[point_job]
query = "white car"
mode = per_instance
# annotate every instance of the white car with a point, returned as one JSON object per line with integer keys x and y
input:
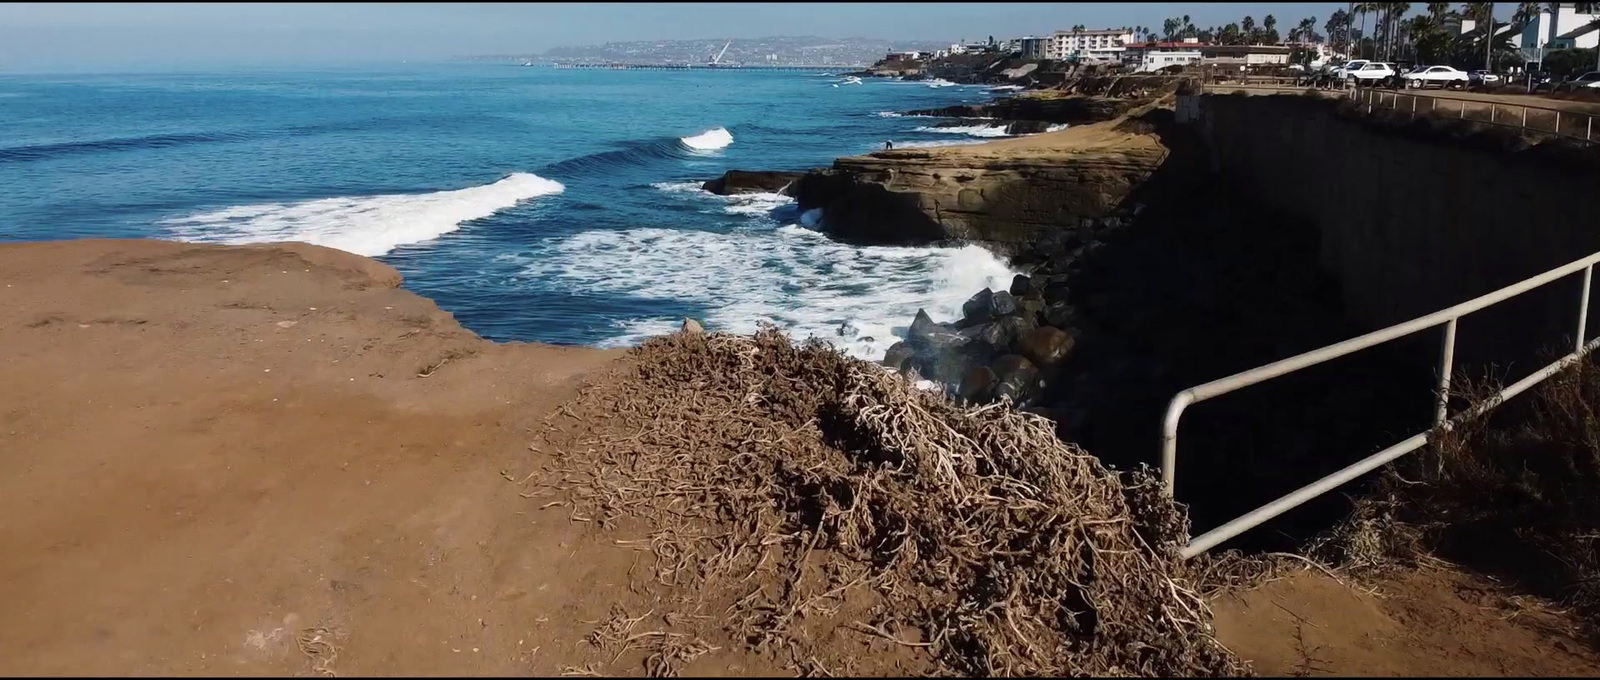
{"x": 1344, "y": 69}
{"x": 1436, "y": 76}
{"x": 1371, "y": 73}
{"x": 1589, "y": 80}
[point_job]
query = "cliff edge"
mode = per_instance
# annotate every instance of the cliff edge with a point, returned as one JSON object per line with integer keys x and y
{"x": 1006, "y": 193}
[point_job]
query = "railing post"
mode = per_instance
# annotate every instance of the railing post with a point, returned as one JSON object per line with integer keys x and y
{"x": 1492, "y": 110}
{"x": 1583, "y": 306}
{"x": 1447, "y": 361}
{"x": 1558, "y": 123}
{"x": 1524, "y": 117}
{"x": 1463, "y": 109}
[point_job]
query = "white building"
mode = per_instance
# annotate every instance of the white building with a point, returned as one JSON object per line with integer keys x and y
{"x": 1157, "y": 56}
{"x": 1107, "y": 43}
{"x": 1567, "y": 25}
{"x": 1034, "y": 48}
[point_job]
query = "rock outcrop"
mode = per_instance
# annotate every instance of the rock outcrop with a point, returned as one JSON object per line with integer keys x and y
{"x": 750, "y": 182}
{"x": 1005, "y": 194}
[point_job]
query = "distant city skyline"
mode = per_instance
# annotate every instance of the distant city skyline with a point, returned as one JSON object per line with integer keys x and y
{"x": 44, "y": 36}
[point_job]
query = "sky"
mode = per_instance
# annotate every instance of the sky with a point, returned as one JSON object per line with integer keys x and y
{"x": 45, "y": 36}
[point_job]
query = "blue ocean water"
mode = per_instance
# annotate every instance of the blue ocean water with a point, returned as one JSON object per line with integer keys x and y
{"x": 535, "y": 204}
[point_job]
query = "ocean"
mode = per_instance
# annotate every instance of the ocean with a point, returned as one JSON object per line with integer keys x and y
{"x": 534, "y": 204}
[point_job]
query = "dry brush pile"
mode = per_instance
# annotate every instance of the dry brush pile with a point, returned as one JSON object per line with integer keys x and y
{"x": 800, "y": 484}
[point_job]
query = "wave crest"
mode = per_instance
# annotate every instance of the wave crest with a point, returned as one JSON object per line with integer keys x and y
{"x": 710, "y": 140}
{"x": 364, "y": 225}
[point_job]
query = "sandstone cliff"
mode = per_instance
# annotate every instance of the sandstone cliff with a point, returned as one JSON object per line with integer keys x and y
{"x": 1006, "y": 193}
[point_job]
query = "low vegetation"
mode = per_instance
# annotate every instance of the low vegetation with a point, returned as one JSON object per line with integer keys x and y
{"x": 1515, "y": 495}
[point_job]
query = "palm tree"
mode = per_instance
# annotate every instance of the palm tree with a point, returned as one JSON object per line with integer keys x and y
{"x": 1269, "y": 24}
{"x": 1397, "y": 10}
{"x": 1247, "y": 29}
{"x": 1363, "y": 8}
{"x": 1338, "y": 25}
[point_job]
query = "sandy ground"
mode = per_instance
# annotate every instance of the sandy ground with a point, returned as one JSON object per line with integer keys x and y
{"x": 206, "y": 451}
{"x": 222, "y": 460}
{"x": 1430, "y": 622}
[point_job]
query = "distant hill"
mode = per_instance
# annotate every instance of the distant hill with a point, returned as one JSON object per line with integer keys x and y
{"x": 777, "y": 50}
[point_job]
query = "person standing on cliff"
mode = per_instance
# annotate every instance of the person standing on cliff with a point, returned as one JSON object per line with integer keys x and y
{"x": 888, "y": 145}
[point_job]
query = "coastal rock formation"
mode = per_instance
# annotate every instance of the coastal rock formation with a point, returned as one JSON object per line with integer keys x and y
{"x": 1075, "y": 109}
{"x": 750, "y": 182}
{"x": 1007, "y": 194}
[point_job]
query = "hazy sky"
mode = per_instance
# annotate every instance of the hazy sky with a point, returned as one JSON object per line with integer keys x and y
{"x": 45, "y": 36}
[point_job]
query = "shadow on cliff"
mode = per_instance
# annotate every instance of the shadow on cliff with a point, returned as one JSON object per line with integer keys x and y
{"x": 1204, "y": 283}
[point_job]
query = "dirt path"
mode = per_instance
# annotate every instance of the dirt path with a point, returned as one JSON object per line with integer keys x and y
{"x": 205, "y": 452}
{"x": 1434, "y": 622}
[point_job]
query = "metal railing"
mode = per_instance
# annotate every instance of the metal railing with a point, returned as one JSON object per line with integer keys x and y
{"x": 1580, "y": 126}
{"x": 1441, "y": 422}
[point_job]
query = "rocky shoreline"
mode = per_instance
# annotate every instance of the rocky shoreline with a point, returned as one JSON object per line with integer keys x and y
{"x": 1046, "y": 205}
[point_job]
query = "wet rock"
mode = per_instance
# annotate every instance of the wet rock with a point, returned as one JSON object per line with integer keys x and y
{"x": 1060, "y": 314}
{"x": 847, "y": 330}
{"x": 692, "y": 327}
{"x": 898, "y": 355}
{"x": 993, "y": 334}
{"x": 977, "y": 306}
{"x": 1047, "y": 346}
{"x": 977, "y": 384}
{"x": 748, "y": 182}
{"x": 1013, "y": 329}
{"x": 1002, "y": 304}
{"x": 1021, "y": 286}
{"x": 922, "y": 324}
{"x": 1016, "y": 378}
{"x": 1030, "y": 308}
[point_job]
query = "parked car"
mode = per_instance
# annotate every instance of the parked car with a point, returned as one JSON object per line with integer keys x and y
{"x": 1372, "y": 73}
{"x": 1589, "y": 80}
{"x": 1481, "y": 77}
{"x": 1343, "y": 71}
{"x": 1436, "y": 76}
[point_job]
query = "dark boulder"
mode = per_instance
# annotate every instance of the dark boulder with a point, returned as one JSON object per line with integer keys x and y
{"x": 1060, "y": 314}
{"x": 899, "y": 353}
{"x": 977, "y": 384}
{"x": 751, "y": 182}
{"x": 931, "y": 339}
{"x": 1014, "y": 328}
{"x": 1030, "y": 308}
{"x": 1047, "y": 346}
{"x": 1022, "y": 286}
{"x": 1002, "y": 304}
{"x": 1016, "y": 378}
{"x": 977, "y": 306}
{"x": 922, "y": 324}
{"x": 993, "y": 334}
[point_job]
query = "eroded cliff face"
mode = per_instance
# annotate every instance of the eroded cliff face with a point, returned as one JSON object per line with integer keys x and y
{"x": 1005, "y": 194}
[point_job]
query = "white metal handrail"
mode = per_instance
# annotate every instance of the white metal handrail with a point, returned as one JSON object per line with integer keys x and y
{"x": 1441, "y": 421}
{"x": 1375, "y": 98}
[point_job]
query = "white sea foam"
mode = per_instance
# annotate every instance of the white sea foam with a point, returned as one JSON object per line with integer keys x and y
{"x": 973, "y": 130}
{"x": 756, "y": 203}
{"x": 364, "y": 225}
{"x": 939, "y": 82}
{"x": 1057, "y": 127}
{"x": 890, "y": 114}
{"x": 680, "y": 187}
{"x": 793, "y": 277}
{"x": 710, "y": 140}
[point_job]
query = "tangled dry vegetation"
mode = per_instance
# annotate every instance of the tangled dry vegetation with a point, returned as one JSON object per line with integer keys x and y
{"x": 802, "y": 486}
{"x": 1515, "y": 495}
